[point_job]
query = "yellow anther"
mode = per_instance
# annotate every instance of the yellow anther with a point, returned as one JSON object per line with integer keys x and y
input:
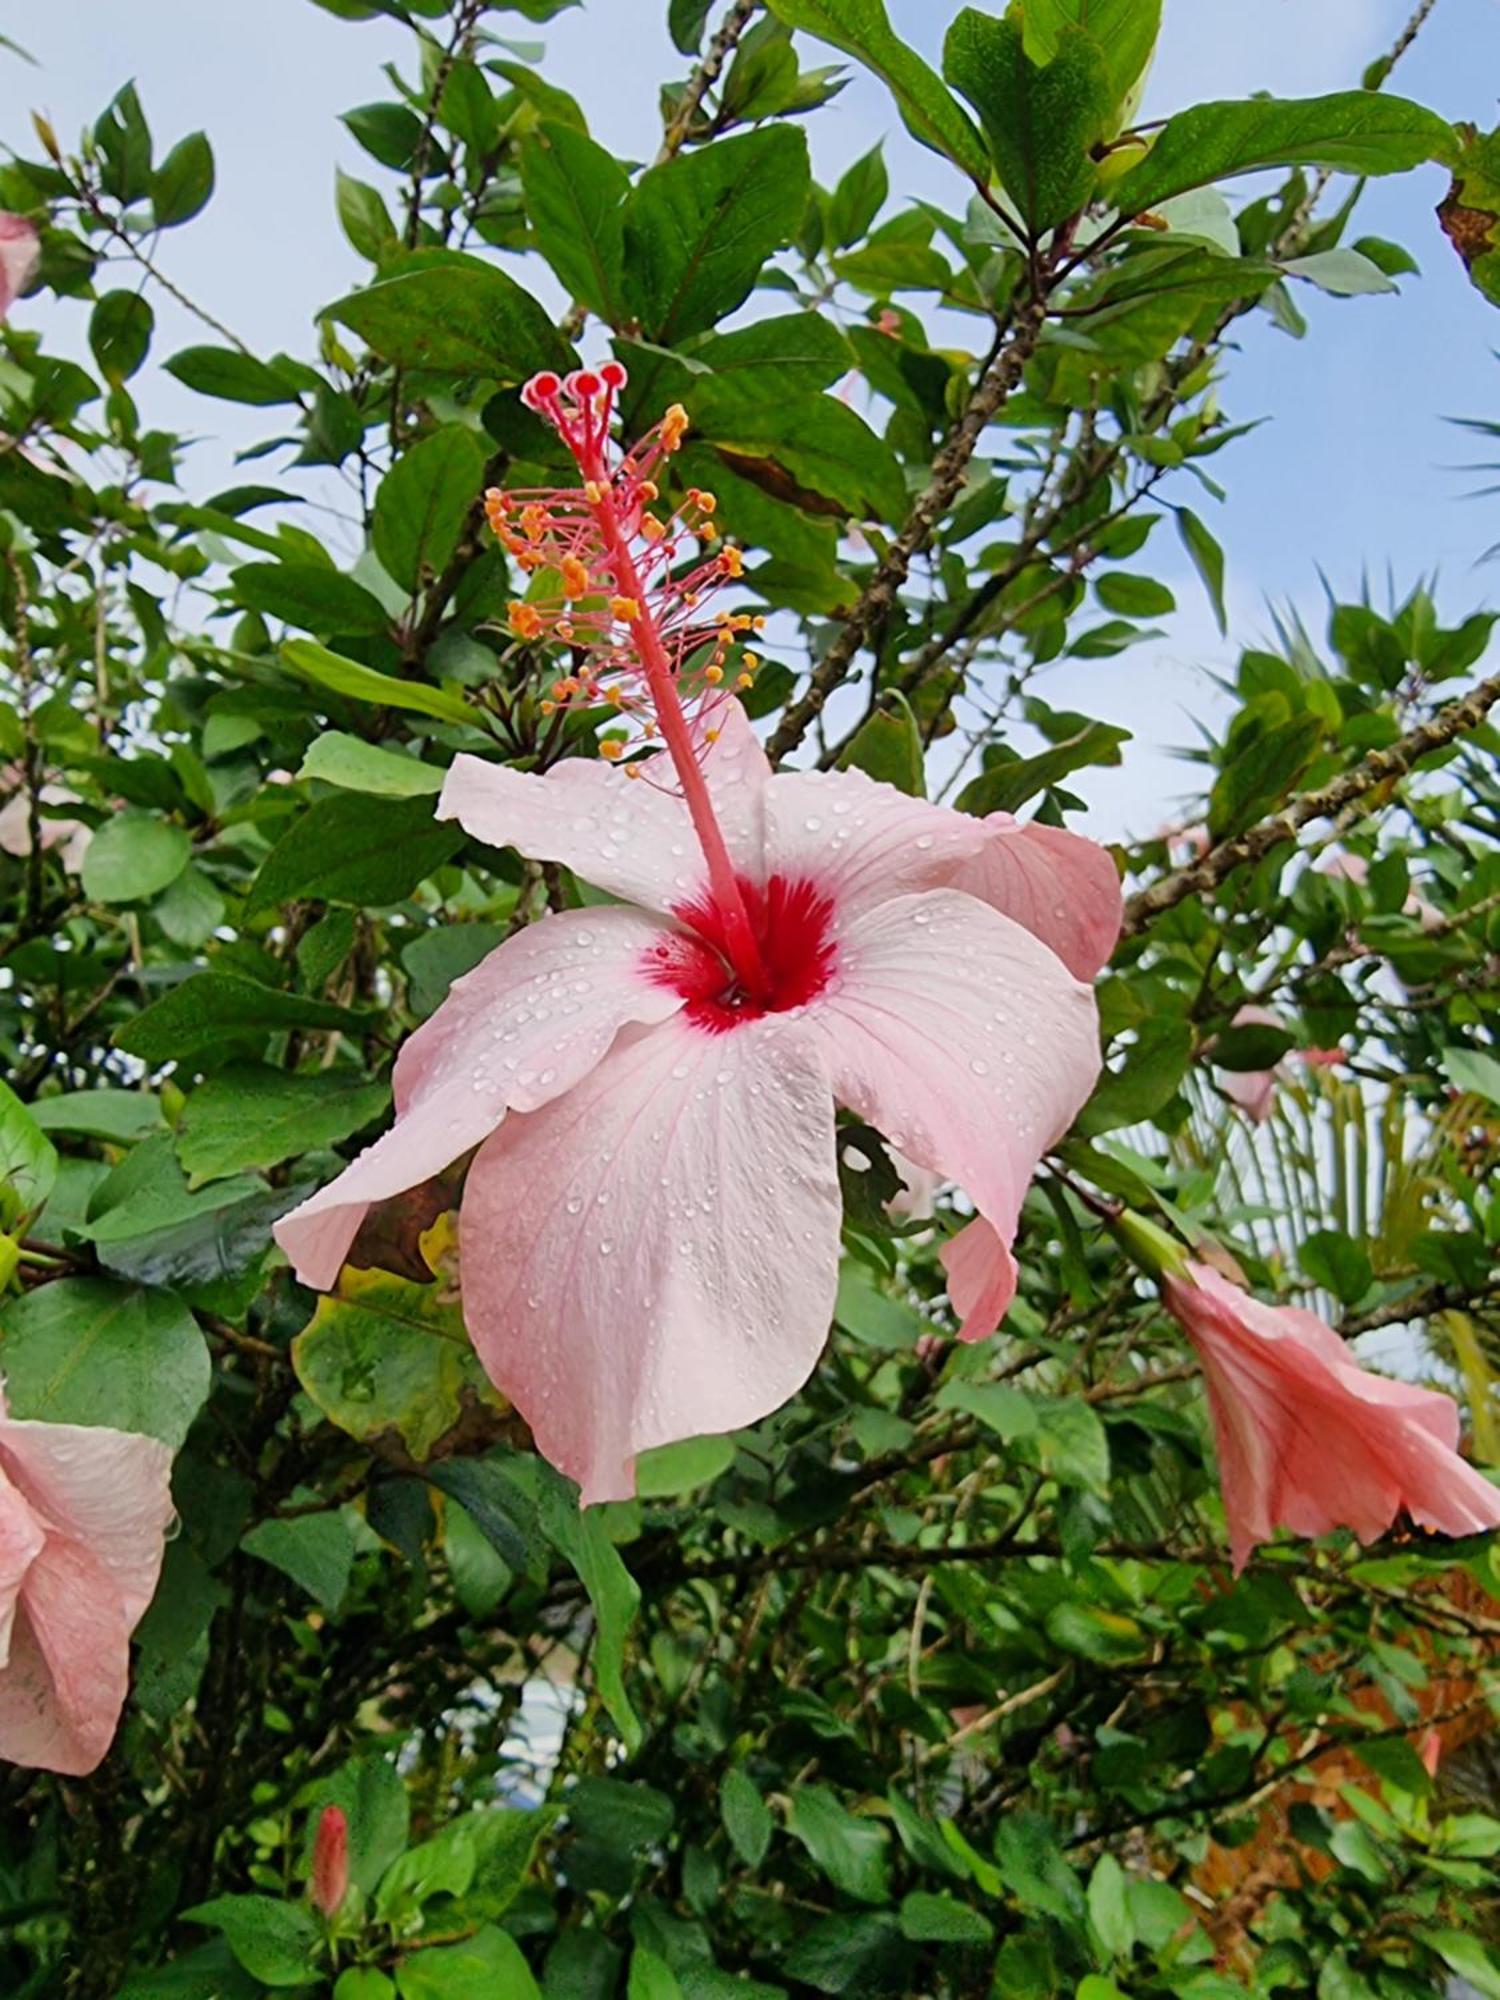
{"x": 564, "y": 628}
{"x": 713, "y": 675}
{"x": 549, "y": 708}
{"x": 708, "y": 503}
{"x": 528, "y": 558}
{"x": 757, "y": 624}
{"x": 625, "y": 609}
{"x": 651, "y": 528}
{"x": 575, "y": 577}
{"x": 732, "y": 563}
{"x": 533, "y": 522}
{"x": 750, "y": 661}
{"x": 650, "y": 490}
{"x": 707, "y": 532}
{"x": 612, "y": 749}
{"x": 525, "y": 621}
{"x": 745, "y": 680}
{"x": 711, "y": 735}
{"x": 673, "y": 425}
{"x": 632, "y": 770}
{"x": 593, "y": 492}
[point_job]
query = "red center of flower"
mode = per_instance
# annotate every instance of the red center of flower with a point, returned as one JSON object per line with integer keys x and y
{"x": 793, "y": 925}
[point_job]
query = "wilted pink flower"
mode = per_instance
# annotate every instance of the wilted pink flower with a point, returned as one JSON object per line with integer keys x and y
{"x": 1254, "y": 1090}
{"x": 71, "y": 835}
{"x": 330, "y": 1862}
{"x": 1185, "y": 842}
{"x": 650, "y": 1232}
{"x": 1308, "y": 1440}
{"x": 84, "y": 1512}
{"x": 19, "y": 250}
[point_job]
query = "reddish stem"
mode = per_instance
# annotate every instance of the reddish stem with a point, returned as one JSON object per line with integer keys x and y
{"x": 739, "y": 932}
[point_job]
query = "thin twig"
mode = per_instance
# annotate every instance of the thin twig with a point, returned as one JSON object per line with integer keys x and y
{"x": 705, "y": 76}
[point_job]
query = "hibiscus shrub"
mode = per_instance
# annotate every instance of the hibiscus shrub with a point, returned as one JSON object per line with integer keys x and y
{"x": 661, "y": 1340}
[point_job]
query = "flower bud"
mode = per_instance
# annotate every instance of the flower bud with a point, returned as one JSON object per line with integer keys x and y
{"x": 330, "y": 1862}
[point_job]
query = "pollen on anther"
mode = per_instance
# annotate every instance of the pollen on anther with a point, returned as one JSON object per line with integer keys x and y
{"x": 624, "y": 608}
{"x": 575, "y": 577}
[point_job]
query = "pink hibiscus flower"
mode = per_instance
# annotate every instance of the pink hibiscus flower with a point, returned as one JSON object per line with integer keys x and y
{"x": 1308, "y": 1440}
{"x": 20, "y": 248}
{"x": 649, "y": 1237}
{"x": 84, "y": 1512}
{"x": 1254, "y": 1090}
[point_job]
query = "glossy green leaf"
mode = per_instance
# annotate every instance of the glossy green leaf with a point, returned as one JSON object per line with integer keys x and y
{"x": 212, "y": 1010}
{"x": 273, "y": 1940}
{"x": 458, "y": 317}
{"x": 575, "y": 193}
{"x": 361, "y": 683}
{"x": 133, "y": 857}
{"x": 356, "y": 766}
{"x": 182, "y": 186}
{"x": 353, "y": 848}
{"x": 88, "y": 1351}
{"x": 306, "y": 594}
{"x": 250, "y": 1115}
{"x": 424, "y": 503}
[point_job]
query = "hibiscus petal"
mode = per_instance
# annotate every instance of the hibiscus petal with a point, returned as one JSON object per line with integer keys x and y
{"x": 20, "y": 1544}
{"x": 20, "y": 247}
{"x": 971, "y": 1047}
{"x": 1063, "y": 888}
{"x": 655, "y": 1255}
{"x": 631, "y": 836}
{"x": 61, "y": 1694}
{"x": 862, "y": 842}
{"x": 107, "y": 1490}
{"x": 1308, "y": 1440}
{"x": 518, "y": 1030}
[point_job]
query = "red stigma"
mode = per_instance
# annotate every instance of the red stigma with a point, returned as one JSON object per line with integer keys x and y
{"x": 792, "y": 921}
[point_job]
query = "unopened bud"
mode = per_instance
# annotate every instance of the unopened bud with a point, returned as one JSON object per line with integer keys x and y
{"x": 1158, "y": 1254}
{"x": 330, "y": 1862}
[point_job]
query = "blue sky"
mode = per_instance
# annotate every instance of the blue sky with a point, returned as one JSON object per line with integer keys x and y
{"x": 1352, "y": 475}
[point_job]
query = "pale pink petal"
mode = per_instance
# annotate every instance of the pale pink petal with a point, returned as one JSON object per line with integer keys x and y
{"x": 630, "y": 836}
{"x": 970, "y": 1046}
{"x": 21, "y": 1540}
{"x": 1308, "y": 1440}
{"x": 517, "y": 1031}
{"x": 981, "y": 1278}
{"x": 655, "y": 1255}
{"x": 862, "y": 842}
{"x": 1253, "y": 1090}
{"x": 62, "y": 1692}
{"x": 108, "y": 1491}
{"x": 1063, "y": 888}
{"x": 20, "y": 247}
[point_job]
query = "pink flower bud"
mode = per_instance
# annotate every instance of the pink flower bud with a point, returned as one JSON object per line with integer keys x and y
{"x": 330, "y": 1862}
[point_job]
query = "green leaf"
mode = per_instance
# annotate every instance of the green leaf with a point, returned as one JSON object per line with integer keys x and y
{"x": 211, "y": 1009}
{"x": 888, "y": 746}
{"x": 651, "y": 1978}
{"x": 120, "y": 329}
{"x": 575, "y": 194}
{"x": 310, "y": 595}
{"x": 747, "y": 1817}
{"x": 231, "y": 376}
{"x": 315, "y": 1550}
{"x": 488, "y": 1962}
{"x": 357, "y": 766}
{"x": 1466, "y": 1955}
{"x": 1124, "y": 32}
{"x": 1109, "y": 1907}
{"x": 812, "y": 450}
{"x": 356, "y": 849}
{"x": 700, "y": 227}
{"x": 1353, "y": 131}
{"x": 1009, "y": 783}
{"x": 860, "y": 28}
{"x": 1343, "y": 272}
{"x": 371, "y": 1795}
{"x": 686, "y": 20}
{"x": 673, "y": 1469}
{"x": 1134, "y": 596}
{"x": 1337, "y": 1263}
{"x": 1009, "y": 1413}
{"x": 858, "y": 199}
{"x": 1471, "y": 1070}
{"x": 1263, "y": 772}
{"x": 121, "y": 1116}
{"x": 251, "y": 1116}
{"x": 184, "y": 182}
{"x": 929, "y": 1919}
{"x": 28, "y": 1160}
{"x": 133, "y": 857}
{"x": 1154, "y": 1066}
{"x": 850, "y": 1851}
{"x": 386, "y": 1359}
{"x": 88, "y": 1351}
{"x": 790, "y": 352}
{"x": 459, "y": 317}
{"x": 361, "y": 683}
{"x": 500, "y": 1506}
{"x": 424, "y": 503}
{"x": 1208, "y": 560}
{"x": 363, "y": 216}
{"x": 276, "y": 1942}
{"x": 1106, "y": 1637}
{"x": 581, "y": 1537}
{"x": 1041, "y": 123}
{"x": 1071, "y": 1443}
